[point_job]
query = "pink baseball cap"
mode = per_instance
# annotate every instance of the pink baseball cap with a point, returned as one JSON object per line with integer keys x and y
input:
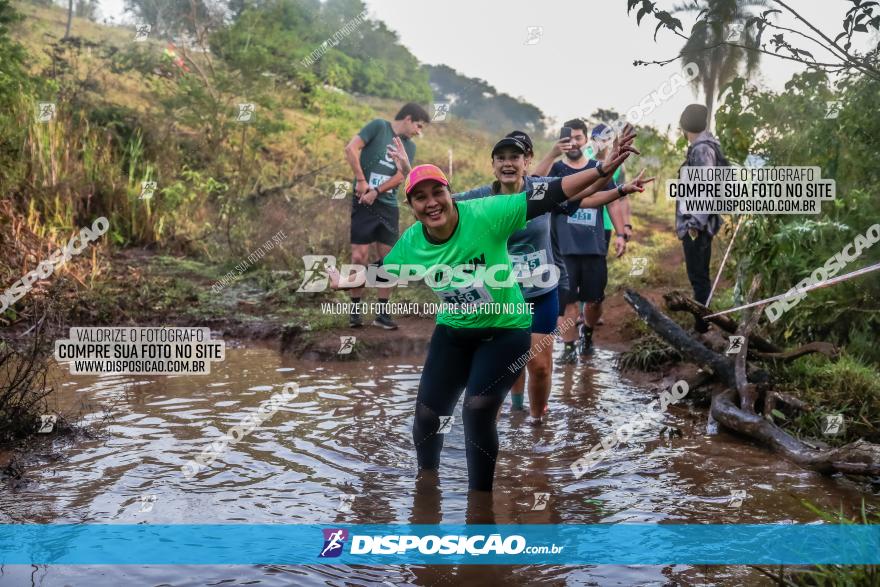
{"x": 421, "y": 173}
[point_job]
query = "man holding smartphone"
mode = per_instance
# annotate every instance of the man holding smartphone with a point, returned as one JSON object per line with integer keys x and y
{"x": 580, "y": 234}
{"x": 374, "y": 212}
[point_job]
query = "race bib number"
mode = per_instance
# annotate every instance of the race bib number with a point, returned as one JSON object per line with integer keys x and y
{"x": 524, "y": 265}
{"x": 377, "y": 179}
{"x": 471, "y": 295}
{"x": 584, "y": 217}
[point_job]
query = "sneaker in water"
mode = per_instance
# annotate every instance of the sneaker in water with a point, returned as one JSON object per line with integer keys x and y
{"x": 385, "y": 321}
{"x": 355, "y": 320}
{"x": 569, "y": 355}
{"x": 585, "y": 344}
{"x": 535, "y": 422}
{"x": 586, "y": 347}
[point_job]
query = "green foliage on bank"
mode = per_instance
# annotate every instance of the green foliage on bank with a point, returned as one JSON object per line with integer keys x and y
{"x": 791, "y": 128}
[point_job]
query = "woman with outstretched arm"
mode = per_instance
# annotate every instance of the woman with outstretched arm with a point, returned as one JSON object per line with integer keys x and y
{"x": 481, "y": 340}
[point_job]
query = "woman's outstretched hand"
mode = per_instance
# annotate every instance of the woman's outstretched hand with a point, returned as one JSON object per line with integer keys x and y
{"x": 638, "y": 184}
{"x": 621, "y": 149}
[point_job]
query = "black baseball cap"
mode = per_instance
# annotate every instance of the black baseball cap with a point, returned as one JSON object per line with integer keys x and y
{"x": 523, "y": 138}
{"x": 511, "y": 142}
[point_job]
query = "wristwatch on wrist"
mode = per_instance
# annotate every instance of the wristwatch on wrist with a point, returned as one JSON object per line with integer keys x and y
{"x": 620, "y": 191}
{"x": 624, "y": 236}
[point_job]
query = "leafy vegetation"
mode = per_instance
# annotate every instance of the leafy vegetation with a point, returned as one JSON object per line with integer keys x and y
{"x": 791, "y": 129}
{"x": 844, "y": 387}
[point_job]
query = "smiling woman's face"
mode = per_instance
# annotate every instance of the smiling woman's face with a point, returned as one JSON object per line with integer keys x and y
{"x": 431, "y": 202}
{"x": 509, "y": 165}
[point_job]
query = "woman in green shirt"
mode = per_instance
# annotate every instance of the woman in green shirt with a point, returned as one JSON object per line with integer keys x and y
{"x": 481, "y": 341}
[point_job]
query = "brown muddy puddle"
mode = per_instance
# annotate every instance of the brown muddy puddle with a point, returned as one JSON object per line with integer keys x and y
{"x": 348, "y": 432}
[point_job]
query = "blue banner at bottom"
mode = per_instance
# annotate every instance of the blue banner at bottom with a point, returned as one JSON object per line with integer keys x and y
{"x": 556, "y": 544}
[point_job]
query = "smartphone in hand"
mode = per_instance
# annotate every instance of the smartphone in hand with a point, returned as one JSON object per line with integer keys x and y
{"x": 565, "y": 133}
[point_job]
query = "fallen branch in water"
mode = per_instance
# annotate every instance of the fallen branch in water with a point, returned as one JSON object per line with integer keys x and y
{"x": 733, "y": 407}
{"x": 760, "y": 347}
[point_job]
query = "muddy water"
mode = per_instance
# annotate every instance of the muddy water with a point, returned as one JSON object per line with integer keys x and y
{"x": 348, "y": 432}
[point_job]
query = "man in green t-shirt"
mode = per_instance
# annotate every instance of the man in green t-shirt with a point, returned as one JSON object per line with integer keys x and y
{"x": 597, "y": 149}
{"x": 374, "y": 211}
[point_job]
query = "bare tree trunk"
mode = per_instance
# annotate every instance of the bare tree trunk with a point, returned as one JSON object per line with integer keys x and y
{"x": 69, "y": 18}
{"x": 710, "y": 95}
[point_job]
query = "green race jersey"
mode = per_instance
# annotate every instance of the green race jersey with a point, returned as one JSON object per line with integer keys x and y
{"x": 377, "y": 166}
{"x": 589, "y": 154}
{"x": 478, "y": 245}
{"x": 607, "y": 219}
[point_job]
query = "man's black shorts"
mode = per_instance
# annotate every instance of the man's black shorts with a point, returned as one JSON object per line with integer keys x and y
{"x": 375, "y": 223}
{"x": 587, "y": 278}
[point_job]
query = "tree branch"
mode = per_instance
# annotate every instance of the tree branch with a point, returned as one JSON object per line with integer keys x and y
{"x": 848, "y": 57}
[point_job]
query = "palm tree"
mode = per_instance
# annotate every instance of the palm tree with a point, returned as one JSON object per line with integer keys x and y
{"x": 720, "y": 63}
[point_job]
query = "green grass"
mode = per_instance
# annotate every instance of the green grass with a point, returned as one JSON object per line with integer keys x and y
{"x": 648, "y": 353}
{"x": 846, "y": 386}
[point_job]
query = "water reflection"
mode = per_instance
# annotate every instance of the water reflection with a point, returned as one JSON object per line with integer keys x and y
{"x": 348, "y": 434}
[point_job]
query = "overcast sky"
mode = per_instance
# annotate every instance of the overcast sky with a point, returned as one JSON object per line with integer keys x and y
{"x": 583, "y": 59}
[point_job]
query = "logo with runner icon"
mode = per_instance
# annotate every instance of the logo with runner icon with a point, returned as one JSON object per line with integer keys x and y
{"x": 46, "y": 111}
{"x": 441, "y": 111}
{"x": 736, "y": 498}
{"x": 541, "y": 501}
{"x": 148, "y": 188}
{"x": 346, "y": 345}
{"x": 834, "y": 425}
{"x": 246, "y": 112}
{"x": 539, "y": 190}
{"x": 534, "y": 35}
{"x": 736, "y": 345}
{"x": 832, "y": 109}
{"x": 142, "y": 31}
{"x": 147, "y": 502}
{"x": 47, "y": 423}
{"x": 340, "y": 190}
{"x": 735, "y": 33}
{"x": 639, "y": 264}
{"x": 345, "y": 502}
{"x": 334, "y": 540}
{"x": 445, "y": 424}
{"x": 315, "y": 278}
